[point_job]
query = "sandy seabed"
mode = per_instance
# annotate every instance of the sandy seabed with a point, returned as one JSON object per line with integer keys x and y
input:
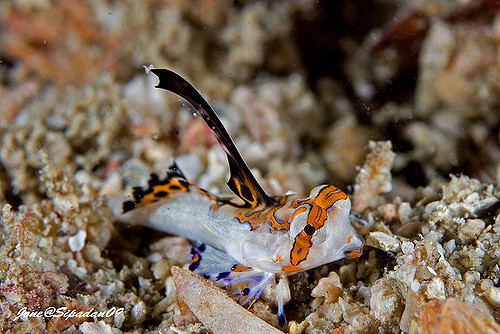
{"x": 397, "y": 102}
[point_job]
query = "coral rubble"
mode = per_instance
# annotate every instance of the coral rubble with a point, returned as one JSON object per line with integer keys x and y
{"x": 399, "y": 107}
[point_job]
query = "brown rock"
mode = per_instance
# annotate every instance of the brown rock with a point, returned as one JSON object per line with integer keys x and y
{"x": 453, "y": 316}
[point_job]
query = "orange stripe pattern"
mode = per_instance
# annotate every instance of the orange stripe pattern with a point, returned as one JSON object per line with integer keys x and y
{"x": 255, "y": 218}
{"x": 316, "y": 219}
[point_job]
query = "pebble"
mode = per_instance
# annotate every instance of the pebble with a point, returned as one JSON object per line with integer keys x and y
{"x": 99, "y": 327}
{"x": 493, "y": 296}
{"x": 435, "y": 289}
{"x": 77, "y": 241}
{"x": 471, "y": 230}
{"x": 383, "y": 241}
{"x": 138, "y": 312}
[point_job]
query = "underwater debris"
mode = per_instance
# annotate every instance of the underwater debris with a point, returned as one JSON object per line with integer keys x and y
{"x": 452, "y": 316}
{"x": 214, "y": 308}
{"x": 429, "y": 86}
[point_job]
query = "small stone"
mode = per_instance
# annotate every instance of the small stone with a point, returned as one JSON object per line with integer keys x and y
{"x": 450, "y": 246}
{"x": 173, "y": 249}
{"x": 99, "y": 327}
{"x": 472, "y": 277}
{"x": 332, "y": 312}
{"x": 80, "y": 272}
{"x": 66, "y": 203}
{"x": 435, "y": 289}
{"x": 365, "y": 293}
{"x": 383, "y": 241}
{"x": 170, "y": 290}
{"x": 407, "y": 247}
{"x": 144, "y": 283}
{"x": 347, "y": 273}
{"x": 404, "y": 212}
{"x": 471, "y": 230}
{"x": 415, "y": 285}
{"x": 359, "y": 320}
{"x": 161, "y": 269}
{"x": 374, "y": 178}
{"x": 154, "y": 257}
{"x": 118, "y": 319}
{"x": 77, "y": 241}
{"x": 138, "y": 312}
{"x": 388, "y": 212}
{"x": 493, "y": 296}
{"x": 296, "y": 328}
{"x": 431, "y": 270}
{"x": 325, "y": 283}
{"x": 486, "y": 284}
{"x": 453, "y": 316}
{"x": 92, "y": 254}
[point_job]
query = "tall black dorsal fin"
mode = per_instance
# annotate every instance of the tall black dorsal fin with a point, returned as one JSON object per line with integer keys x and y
{"x": 158, "y": 189}
{"x": 242, "y": 182}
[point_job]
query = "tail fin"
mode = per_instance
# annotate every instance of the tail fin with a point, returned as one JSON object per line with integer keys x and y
{"x": 158, "y": 189}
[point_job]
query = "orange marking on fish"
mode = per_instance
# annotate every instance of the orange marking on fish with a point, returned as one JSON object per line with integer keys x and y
{"x": 195, "y": 258}
{"x": 298, "y": 212}
{"x": 207, "y": 194}
{"x": 355, "y": 253}
{"x": 291, "y": 269}
{"x": 161, "y": 191}
{"x": 255, "y": 218}
{"x": 278, "y": 223}
{"x": 239, "y": 268}
{"x": 328, "y": 196}
{"x": 250, "y": 217}
{"x": 318, "y": 214}
{"x": 301, "y": 247}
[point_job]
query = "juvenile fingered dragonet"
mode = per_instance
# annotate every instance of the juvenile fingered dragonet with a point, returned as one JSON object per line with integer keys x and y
{"x": 248, "y": 243}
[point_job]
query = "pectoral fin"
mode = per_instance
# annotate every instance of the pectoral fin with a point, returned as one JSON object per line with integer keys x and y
{"x": 245, "y": 283}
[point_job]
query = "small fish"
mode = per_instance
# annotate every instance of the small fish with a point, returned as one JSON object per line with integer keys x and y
{"x": 247, "y": 242}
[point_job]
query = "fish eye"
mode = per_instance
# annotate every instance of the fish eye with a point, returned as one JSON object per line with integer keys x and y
{"x": 309, "y": 229}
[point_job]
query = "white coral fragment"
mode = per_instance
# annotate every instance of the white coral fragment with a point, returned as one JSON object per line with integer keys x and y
{"x": 77, "y": 241}
{"x": 383, "y": 241}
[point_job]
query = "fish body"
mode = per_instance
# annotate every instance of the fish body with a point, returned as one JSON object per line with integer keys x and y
{"x": 272, "y": 239}
{"x": 245, "y": 242}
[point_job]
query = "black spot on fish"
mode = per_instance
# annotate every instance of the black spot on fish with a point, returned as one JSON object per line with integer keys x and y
{"x": 185, "y": 184}
{"x": 153, "y": 180}
{"x": 128, "y": 206}
{"x": 138, "y": 193}
{"x": 161, "y": 194}
{"x": 309, "y": 229}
